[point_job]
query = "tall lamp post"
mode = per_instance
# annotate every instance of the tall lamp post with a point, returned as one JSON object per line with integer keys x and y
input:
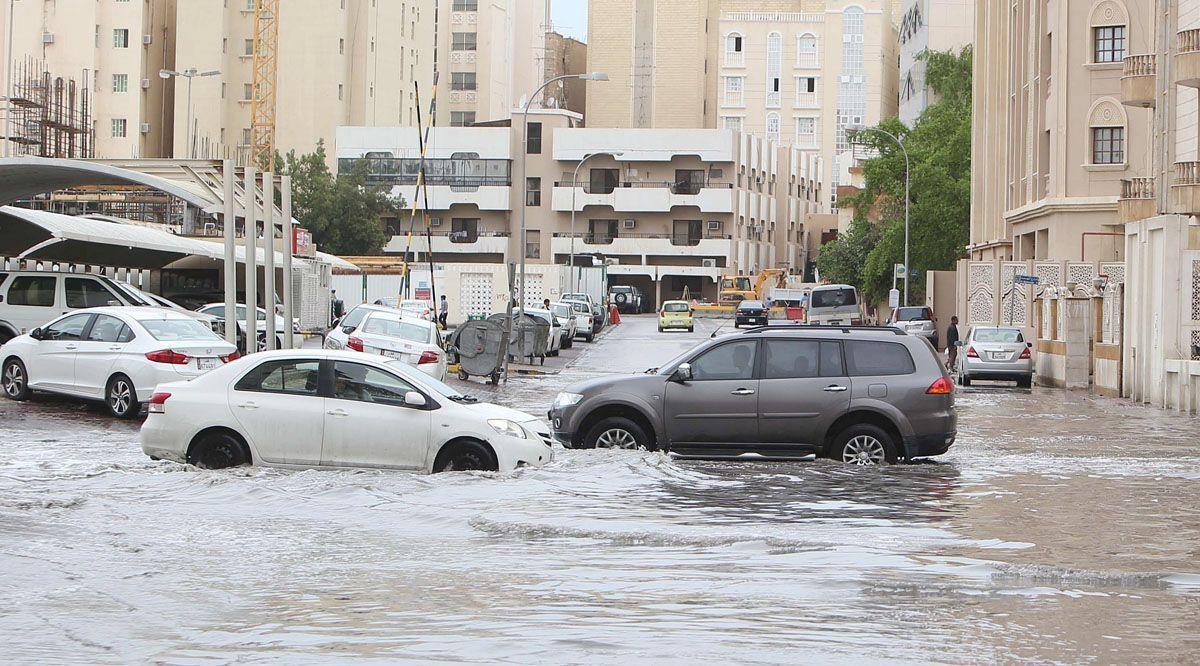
{"x": 893, "y": 137}
{"x": 574, "y": 186}
{"x": 189, "y": 74}
{"x": 592, "y": 76}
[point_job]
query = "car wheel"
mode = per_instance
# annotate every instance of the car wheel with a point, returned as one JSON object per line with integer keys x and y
{"x": 691, "y": 329}
{"x": 16, "y": 380}
{"x": 464, "y": 456}
{"x": 964, "y": 379}
{"x": 462, "y": 374}
{"x": 617, "y": 432}
{"x": 218, "y": 450}
{"x": 589, "y": 337}
{"x": 864, "y": 444}
{"x": 660, "y": 329}
{"x": 121, "y": 398}
{"x": 1025, "y": 382}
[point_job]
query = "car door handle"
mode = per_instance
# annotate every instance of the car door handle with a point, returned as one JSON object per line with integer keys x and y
{"x": 248, "y": 405}
{"x": 742, "y": 391}
{"x": 338, "y": 412}
{"x": 70, "y": 347}
{"x": 834, "y": 388}
{"x": 115, "y": 348}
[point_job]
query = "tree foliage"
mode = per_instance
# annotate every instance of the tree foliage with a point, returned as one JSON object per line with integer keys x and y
{"x": 343, "y": 212}
{"x": 939, "y": 149}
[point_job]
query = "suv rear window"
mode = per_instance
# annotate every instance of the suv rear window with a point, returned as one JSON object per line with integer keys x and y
{"x": 867, "y": 358}
{"x": 914, "y": 314}
{"x": 33, "y": 291}
{"x": 833, "y": 298}
{"x": 1002, "y": 335}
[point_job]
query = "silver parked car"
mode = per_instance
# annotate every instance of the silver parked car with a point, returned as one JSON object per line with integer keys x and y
{"x": 995, "y": 352}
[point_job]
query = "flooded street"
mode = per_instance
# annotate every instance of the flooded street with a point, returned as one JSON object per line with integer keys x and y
{"x": 1061, "y": 527}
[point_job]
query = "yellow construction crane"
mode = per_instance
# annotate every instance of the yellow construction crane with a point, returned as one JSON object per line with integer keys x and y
{"x": 262, "y": 108}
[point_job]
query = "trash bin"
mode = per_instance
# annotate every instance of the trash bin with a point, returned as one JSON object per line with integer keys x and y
{"x": 477, "y": 345}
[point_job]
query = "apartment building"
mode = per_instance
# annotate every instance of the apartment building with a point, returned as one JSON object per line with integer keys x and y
{"x": 340, "y": 62}
{"x": 669, "y": 210}
{"x": 491, "y": 56}
{"x": 115, "y": 48}
{"x": 1052, "y": 139}
{"x": 936, "y": 25}
{"x": 566, "y": 55}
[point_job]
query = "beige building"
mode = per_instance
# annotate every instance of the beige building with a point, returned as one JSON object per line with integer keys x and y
{"x": 491, "y": 56}
{"x": 1052, "y": 139}
{"x": 936, "y": 25}
{"x": 114, "y": 47}
{"x": 566, "y": 55}
{"x": 675, "y": 210}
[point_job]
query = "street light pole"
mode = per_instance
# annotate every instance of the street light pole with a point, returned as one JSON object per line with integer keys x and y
{"x": 574, "y": 186}
{"x": 907, "y": 174}
{"x": 190, "y": 74}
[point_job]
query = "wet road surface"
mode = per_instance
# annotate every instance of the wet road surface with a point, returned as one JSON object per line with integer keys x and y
{"x": 1061, "y": 527}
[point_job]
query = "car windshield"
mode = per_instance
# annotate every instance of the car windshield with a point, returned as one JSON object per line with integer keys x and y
{"x": 676, "y": 307}
{"x": 178, "y": 330}
{"x": 750, "y": 305}
{"x": 561, "y": 310}
{"x": 397, "y": 328}
{"x": 621, "y": 290}
{"x": 435, "y": 385}
{"x": 914, "y": 314}
{"x": 833, "y": 298}
{"x": 1001, "y": 335}
{"x": 133, "y": 294}
{"x": 580, "y": 307}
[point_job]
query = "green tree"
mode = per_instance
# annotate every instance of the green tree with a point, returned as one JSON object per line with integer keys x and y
{"x": 343, "y": 213}
{"x": 939, "y": 149}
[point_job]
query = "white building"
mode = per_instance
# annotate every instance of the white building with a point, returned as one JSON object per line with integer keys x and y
{"x": 937, "y": 25}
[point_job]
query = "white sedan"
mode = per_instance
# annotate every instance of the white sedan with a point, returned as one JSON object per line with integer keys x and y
{"x": 323, "y": 408}
{"x": 339, "y": 334}
{"x": 115, "y": 354}
{"x": 399, "y": 336}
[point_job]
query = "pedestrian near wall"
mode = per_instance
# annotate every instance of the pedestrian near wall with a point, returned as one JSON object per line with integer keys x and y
{"x": 952, "y": 341}
{"x": 443, "y": 311}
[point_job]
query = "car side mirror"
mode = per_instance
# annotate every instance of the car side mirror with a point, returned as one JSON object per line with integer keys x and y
{"x": 347, "y": 330}
{"x": 36, "y": 334}
{"x": 1029, "y": 344}
{"x": 414, "y": 399}
{"x": 683, "y": 373}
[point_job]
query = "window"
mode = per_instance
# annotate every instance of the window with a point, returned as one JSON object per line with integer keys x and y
{"x": 533, "y": 141}
{"x": 603, "y": 181}
{"x": 120, "y": 83}
{"x": 773, "y": 126}
{"x": 462, "y": 80}
{"x": 245, "y": 136}
{"x": 382, "y": 323}
{"x": 874, "y": 359}
{"x": 248, "y": 47}
{"x": 774, "y": 69}
{"x": 354, "y": 317}
{"x": 341, "y": 46}
{"x": 1108, "y": 145}
{"x": 806, "y": 92}
{"x": 601, "y": 232}
{"x": 222, "y": 93}
{"x": 466, "y": 5}
{"x": 806, "y": 132}
{"x": 88, "y": 293}
{"x": 1109, "y": 43}
{"x": 533, "y": 191}
{"x": 70, "y": 328}
{"x": 464, "y": 229}
{"x": 224, "y": 45}
{"x": 688, "y": 181}
{"x": 352, "y": 381}
{"x": 806, "y": 52}
{"x": 734, "y": 86}
{"x": 732, "y": 123}
{"x": 32, "y": 291}
{"x": 106, "y": 329}
{"x": 119, "y": 127}
{"x": 729, "y": 361}
{"x": 801, "y": 359}
{"x": 462, "y": 118}
{"x": 735, "y": 55}
{"x": 180, "y": 330}
{"x": 121, "y": 38}
{"x": 292, "y": 376}
{"x": 462, "y": 41}
{"x": 533, "y": 244}
{"x": 247, "y": 91}
{"x": 341, "y": 91}
{"x": 686, "y": 232}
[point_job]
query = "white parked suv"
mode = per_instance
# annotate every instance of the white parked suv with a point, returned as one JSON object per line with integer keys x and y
{"x": 321, "y": 408}
{"x": 29, "y": 299}
{"x": 115, "y": 354}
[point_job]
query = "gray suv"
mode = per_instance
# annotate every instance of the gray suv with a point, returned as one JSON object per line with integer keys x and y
{"x": 865, "y": 395}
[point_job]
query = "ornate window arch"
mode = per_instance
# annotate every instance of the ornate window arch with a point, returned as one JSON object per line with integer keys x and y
{"x": 735, "y": 49}
{"x": 773, "y": 126}
{"x": 1108, "y": 28}
{"x": 1107, "y": 125}
{"x": 808, "y": 51}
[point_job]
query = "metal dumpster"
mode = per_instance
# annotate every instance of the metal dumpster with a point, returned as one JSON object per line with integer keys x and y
{"x": 478, "y": 344}
{"x": 530, "y": 337}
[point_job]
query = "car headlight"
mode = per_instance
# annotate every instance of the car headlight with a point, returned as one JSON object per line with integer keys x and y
{"x": 566, "y": 400}
{"x": 506, "y": 427}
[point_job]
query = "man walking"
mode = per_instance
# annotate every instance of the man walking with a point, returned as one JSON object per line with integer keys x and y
{"x": 952, "y": 341}
{"x": 443, "y": 311}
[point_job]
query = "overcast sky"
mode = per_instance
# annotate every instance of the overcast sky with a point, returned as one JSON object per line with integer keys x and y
{"x": 570, "y": 17}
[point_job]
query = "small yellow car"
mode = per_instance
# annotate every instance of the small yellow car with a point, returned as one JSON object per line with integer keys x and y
{"x": 675, "y": 314}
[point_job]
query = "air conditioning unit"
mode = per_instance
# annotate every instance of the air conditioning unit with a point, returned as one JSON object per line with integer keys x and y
{"x": 47, "y": 38}
{"x": 145, "y": 84}
{"x": 435, "y": 221}
{"x": 708, "y": 263}
{"x": 714, "y": 225}
{"x": 628, "y": 224}
{"x": 145, "y": 128}
{"x": 147, "y": 39}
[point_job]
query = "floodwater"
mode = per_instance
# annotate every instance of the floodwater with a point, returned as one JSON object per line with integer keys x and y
{"x": 1060, "y": 528}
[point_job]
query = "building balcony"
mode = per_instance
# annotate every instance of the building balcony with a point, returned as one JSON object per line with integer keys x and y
{"x": 645, "y": 196}
{"x": 1137, "y": 200}
{"x": 1187, "y": 58}
{"x": 643, "y": 244}
{"x": 1185, "y": 190}
{"x": 441, "y": 197}
{"x": 1138, "y": 81}
{"x": 484, "y": 242}
{"x": 807, "y": 100}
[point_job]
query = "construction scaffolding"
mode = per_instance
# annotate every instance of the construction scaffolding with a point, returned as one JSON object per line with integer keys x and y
{"x": 51, "y": 116}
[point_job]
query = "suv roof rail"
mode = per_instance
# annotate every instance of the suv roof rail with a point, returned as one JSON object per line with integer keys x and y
{"x": 824, "y": 327}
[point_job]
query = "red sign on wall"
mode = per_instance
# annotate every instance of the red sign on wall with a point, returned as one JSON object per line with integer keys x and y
{"x": 302, "y": 244}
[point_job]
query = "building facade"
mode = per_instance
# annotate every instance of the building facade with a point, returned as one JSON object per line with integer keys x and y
{"x": 672, "y": 212}
{"x": 565, "y": 55}
{"x": 113, "y": 47}
{"x": 936, "y": 25}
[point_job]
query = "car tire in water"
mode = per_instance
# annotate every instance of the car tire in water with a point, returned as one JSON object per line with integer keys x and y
{"x": 218, "y": 450}
{"x": 15, "y": 380}
{"x": 964, "y": 379}
{"x": 864, "y": 444}
{"x": 120, "y": 397}
{"x": 1025, "y": 382}
{"x": 691, "y": 329}
{"x": 617, "y": 432}
{"x": 464, "y": 456}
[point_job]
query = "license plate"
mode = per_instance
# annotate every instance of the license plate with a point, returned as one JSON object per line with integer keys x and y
{"x": 999, "y": 356}
{"x": 204, "y": 364}
{"x": 393, "y": 354}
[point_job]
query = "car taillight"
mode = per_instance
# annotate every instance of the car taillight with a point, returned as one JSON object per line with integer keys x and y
{"x": 942, "y": 386}
{"x": 233, "y": 356}
{"x": 355, "y": 343}
{"x": 1025, "y": 354}
{"x": 427, "y": 357}
{"x": 856, "y": 322}
{"x": 971, "y": 353}
{"x": 168, "y": 356}
{"x": 158, "y": 403}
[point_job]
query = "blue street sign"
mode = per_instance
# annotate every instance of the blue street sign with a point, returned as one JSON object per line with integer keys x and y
{"x": 1026, "y": 279}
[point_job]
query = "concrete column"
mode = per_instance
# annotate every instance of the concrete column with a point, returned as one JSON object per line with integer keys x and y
{"x": 229, "y": 224}
{"x": 250, "y": 242}
{"x": 1076, "y": 313}
{"x": 268, "y": 190}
